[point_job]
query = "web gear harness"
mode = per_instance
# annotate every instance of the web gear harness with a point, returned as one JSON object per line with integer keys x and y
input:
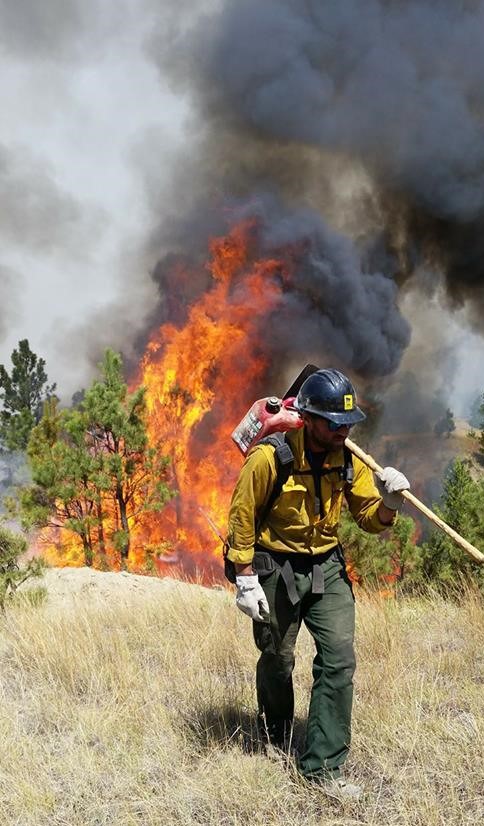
{"x": 265, "y": 562}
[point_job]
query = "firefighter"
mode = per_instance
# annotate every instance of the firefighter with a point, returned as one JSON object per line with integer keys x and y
{"x": 290, "y": 569}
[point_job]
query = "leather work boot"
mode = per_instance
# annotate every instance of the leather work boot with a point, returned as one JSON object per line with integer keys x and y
{"x": 340, "y": 789}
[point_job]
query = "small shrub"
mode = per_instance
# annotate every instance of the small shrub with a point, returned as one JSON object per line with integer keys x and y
{"x": 34, "y": 596}
{"x": 12, "y": 573}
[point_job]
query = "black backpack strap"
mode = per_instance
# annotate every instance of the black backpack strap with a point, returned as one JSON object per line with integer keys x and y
{"x": 319, "y": 470}
{"x": 345, "y": 471}
{"x": 348, "y": 471}
{"x": 284, "y": 466}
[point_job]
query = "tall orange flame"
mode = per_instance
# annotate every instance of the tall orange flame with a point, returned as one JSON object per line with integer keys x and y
{"x": 199, "y": 381}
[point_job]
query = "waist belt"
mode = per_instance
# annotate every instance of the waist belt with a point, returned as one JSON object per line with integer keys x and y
{"x": 266, "y": 562}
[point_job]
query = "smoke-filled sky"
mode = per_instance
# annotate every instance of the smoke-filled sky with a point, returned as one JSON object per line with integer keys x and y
{"x": 128, "y": 126}
{"x": 83, "y": 113}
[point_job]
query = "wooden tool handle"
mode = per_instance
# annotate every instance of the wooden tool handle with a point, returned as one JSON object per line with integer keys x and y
{"x": 409, "y": 497}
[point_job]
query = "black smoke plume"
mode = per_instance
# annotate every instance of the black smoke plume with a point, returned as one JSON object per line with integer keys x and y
{"x": 288, "y": 92}
{"x": 331, "y": 305}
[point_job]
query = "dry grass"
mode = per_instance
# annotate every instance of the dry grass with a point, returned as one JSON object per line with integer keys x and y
{"x": 142, "y": 712}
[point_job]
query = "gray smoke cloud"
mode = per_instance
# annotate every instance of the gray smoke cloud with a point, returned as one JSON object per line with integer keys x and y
{"x": 63, "y": 30}
{"x": 261, "y": 104}
{"x": 334, "y": 306}
{"x": 397, "y": 83}
{"x": 77, "y": 92}
{"x": 368, "y": 118}
{"x": 10, "y": 284}
{"x": 44, "y": 28}
{"x": 395, "y": 87}
{"x": 37, "y": 213}
{"x": 39, "y": 218}
{"x": 43, "y": 228}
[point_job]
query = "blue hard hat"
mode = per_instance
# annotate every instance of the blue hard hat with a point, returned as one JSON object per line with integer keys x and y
{"x": 330, "y": 394}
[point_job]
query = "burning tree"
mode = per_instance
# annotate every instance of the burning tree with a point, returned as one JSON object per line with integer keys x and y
{"x": 133, "y": 477}
{"x": 94, "y": 474}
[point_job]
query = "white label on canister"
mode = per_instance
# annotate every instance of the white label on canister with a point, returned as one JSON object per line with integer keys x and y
{"x": 245, "y": 433}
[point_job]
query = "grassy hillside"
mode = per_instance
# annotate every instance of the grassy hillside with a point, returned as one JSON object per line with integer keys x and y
{"x": 137, "y": 707}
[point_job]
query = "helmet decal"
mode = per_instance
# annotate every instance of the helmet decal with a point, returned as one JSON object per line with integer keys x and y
{"x": 348, "y": 402}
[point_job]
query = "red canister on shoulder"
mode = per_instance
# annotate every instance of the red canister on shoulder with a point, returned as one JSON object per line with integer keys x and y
{"x": 266, "y": 416}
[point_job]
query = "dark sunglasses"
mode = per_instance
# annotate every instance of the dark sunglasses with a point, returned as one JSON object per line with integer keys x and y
{"x": 334, "y": 426}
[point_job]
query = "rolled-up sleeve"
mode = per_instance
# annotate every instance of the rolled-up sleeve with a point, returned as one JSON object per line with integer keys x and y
{"x": 251, "y": 492}
{"x": 364, "y": 499}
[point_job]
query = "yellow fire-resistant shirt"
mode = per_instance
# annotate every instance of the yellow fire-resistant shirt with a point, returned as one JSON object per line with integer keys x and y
{"x": 292, "y": 525}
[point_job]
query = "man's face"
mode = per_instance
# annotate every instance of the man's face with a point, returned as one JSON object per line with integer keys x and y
{"x": 319, "y": 437}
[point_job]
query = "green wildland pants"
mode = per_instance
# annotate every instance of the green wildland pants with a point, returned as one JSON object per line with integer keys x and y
{"x": 330, "y": 618}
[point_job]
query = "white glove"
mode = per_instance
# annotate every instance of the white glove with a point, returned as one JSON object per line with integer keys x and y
{"x": 250, "y": 598}
{"x": 390, "y": 484}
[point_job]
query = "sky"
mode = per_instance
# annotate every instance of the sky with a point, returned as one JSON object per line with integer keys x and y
{"x": 90, "y": 130}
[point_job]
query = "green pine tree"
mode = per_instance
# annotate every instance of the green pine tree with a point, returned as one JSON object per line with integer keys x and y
{"x": 22, "y": 392}
{"x": 66, "y": 477}
{"x": 136, "y": 471}
{"x": 93, "y": 471}
{"x": 374, "y": 558}
{"x": 443, "y": 562}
